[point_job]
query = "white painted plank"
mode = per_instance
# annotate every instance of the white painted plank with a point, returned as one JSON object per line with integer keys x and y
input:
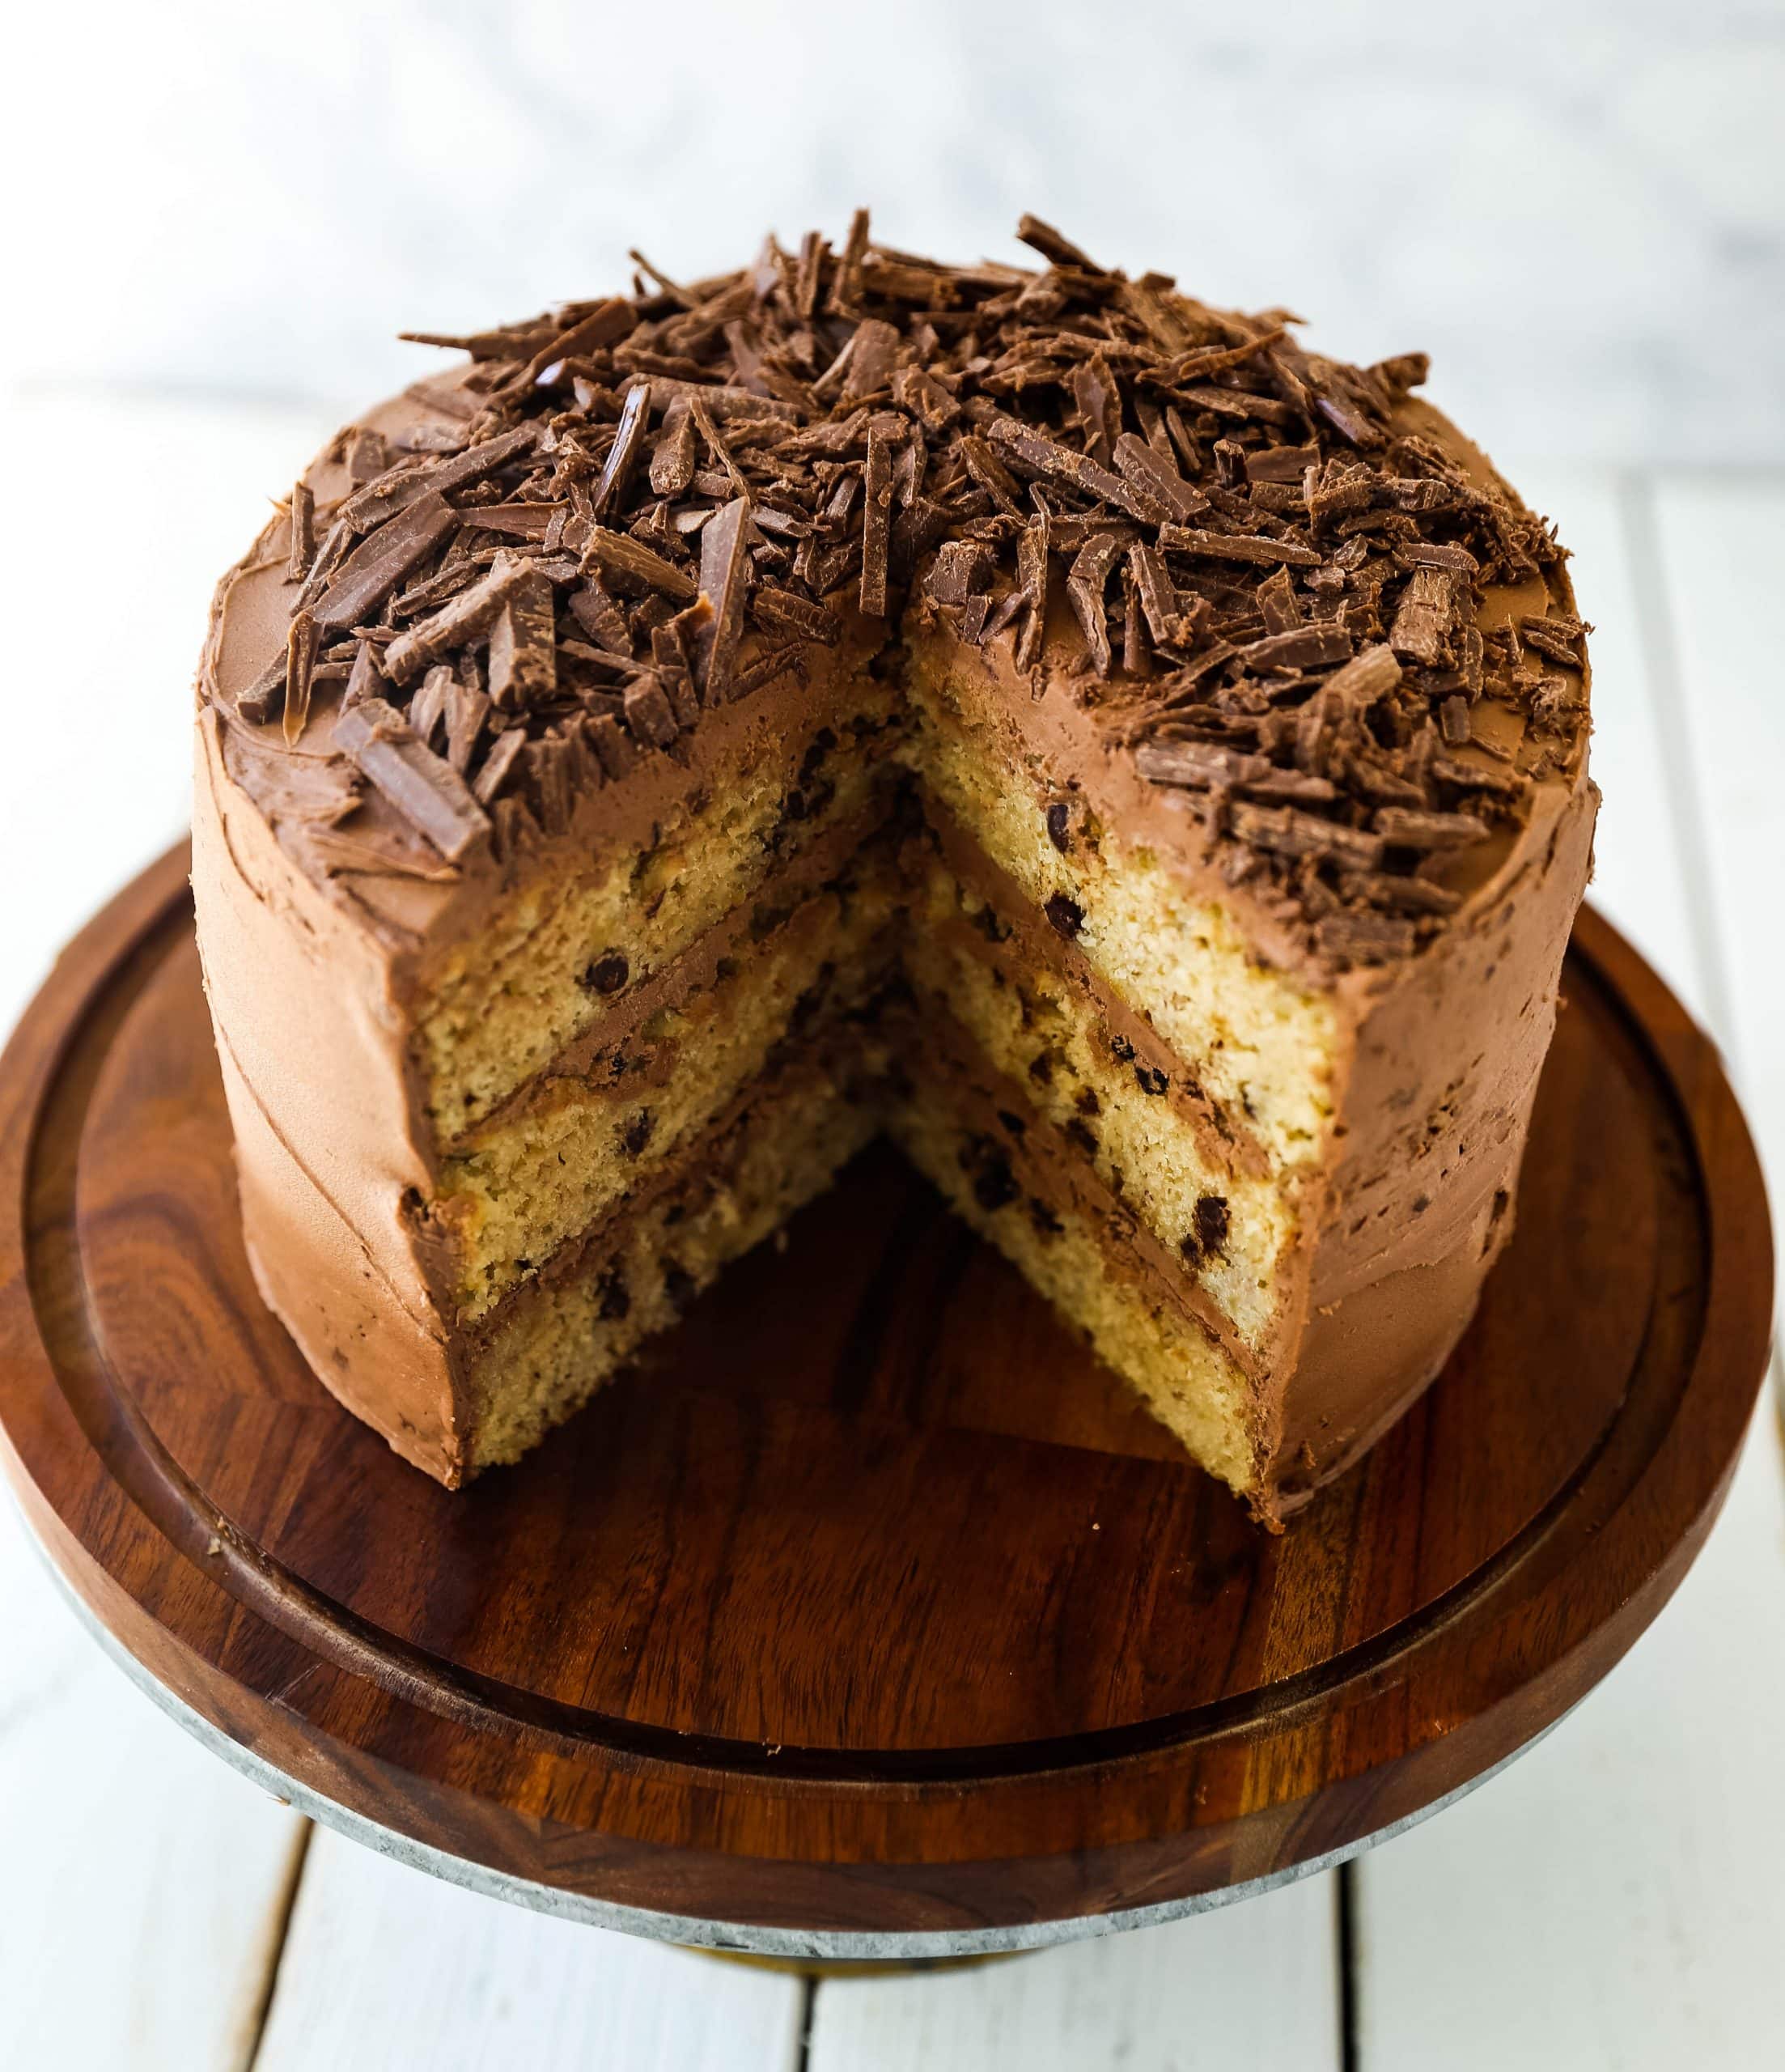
{"x": 1254, "y": 1985}
{"x": 99, "y": 674}
{"x": 1722, "y": 544}
{"x": 140, "y": 1880}
{"x": 1613, "y": 1900}
{"x": 385, "y": 1966}
{"x": 1638, "y": 882}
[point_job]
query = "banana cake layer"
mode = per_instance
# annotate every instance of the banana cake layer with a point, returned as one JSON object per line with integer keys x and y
{"x": 1167, "y": 747}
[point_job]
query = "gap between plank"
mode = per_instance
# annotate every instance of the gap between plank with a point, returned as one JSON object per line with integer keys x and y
{"x": 808, "y": 2014}
{"x": 278, "y": 1933}
{"x": 1345, "y": 1905}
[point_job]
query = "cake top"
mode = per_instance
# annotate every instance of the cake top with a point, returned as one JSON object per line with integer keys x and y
{"x": 628, "y": 512}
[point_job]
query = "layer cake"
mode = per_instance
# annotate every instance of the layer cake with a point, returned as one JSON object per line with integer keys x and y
{"x": 1137, "y": 763}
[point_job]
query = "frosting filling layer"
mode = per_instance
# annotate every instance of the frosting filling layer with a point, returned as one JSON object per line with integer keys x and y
{"x": 564, "y": 1335}
{"x": 1228, "y": 1228}
{"x": 1002, "y": 1168}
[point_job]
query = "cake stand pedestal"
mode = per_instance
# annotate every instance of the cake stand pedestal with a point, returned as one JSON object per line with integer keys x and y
{"x": 867, "y": 1618}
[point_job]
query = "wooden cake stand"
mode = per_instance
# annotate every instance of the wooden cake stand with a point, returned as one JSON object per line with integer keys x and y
{"x": 867, "y": 1618}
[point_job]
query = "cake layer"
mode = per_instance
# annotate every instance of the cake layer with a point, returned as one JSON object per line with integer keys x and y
{"x": 995, "y": 1164}
{"x": 1003, "y": 983}
{"x": 564, "y": 1335}
{"x": 1261, "y": 1044}
{"x": 567, "y": 947}
{"x": 546, "y": 1166}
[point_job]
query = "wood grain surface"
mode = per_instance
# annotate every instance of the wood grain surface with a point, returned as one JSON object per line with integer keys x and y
{"x": 869, "y": 1604}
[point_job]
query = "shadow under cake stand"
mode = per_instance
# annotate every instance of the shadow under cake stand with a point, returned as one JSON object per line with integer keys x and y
{"x": 867, "y": 1618}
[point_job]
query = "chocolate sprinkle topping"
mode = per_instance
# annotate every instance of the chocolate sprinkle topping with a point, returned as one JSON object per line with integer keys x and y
{"x": 643, "y": 507}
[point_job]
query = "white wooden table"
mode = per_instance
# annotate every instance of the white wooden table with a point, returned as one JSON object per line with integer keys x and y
{"x": 1614, "y": 1901}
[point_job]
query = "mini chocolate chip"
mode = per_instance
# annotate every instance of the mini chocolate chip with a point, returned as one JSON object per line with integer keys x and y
{"x": 678, "y": 1284}
{"x": 1087, "y": 1103}
{"x": 1421, "y": 1203}
{"x": 1189, "y": 1247}
{"x": 1212, "y": 1222}
{"x": 615, "y": 1301}
{"x": 1121, "y": 1048}
{"x": 1151, "y": 1081}
{"x": 1082, "y": 1135}
{"x": 1013, "y": 1123}
{"x": 608, "y": 974}
{"x": 1042, "y": 1067}
{"x": 822, "y": 743}
{"x": 1067, "y": 914}
{"x": 793, "y": 807}
{"x": 1057, "y": 831}
{"x": 637, "y": 1133}
{"x": 806, "y": 1007}
{"x": 993, "y": 1183}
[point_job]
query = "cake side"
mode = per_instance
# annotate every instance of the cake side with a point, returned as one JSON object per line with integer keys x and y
{"x": 330, "y": 1147}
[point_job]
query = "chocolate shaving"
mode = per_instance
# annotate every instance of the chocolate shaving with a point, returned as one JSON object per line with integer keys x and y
{"x": 1043, "y": 238}
{"x": 649, "y": 714}
{"x": 605, "y": 325}
{"x": 618, "y": 554}
{"x": 468, "y": 713}
{"x": 785, "y": 612}
{"x": 1429, "y": 830}
{"x": 384, "y": 498}
{"x": 1236, "y": 546}
{"x": 1288, "y": 831}
{"x": 960, "y": 568}
{"x": 429, "y": 793}
{"x": 1365, "y": 938}
{"x": 522, "y": 521}
{"x": 427, "y": 709}
{"x": 1158, "y": 480}
{"x": 1199, "y": 766}
{"x": 464, "y": 619}
{"x": 300, "y": 663}
{"x": 304, "y": 532}
{"x": 524, "y": 646}
{"x": 1055, "y": 463}
{"x": 503, "y": 755}
{"x": 1300, "y": 648}
{"x": 264, "y": 699}
{"x": 1085, "y": 586}
{"x": 877, "y": 523}
{"x": 724, "y": 566}
{"x": 380, "y": 562}
{"x": 1423, "y": 621}
{"x": 367, "y": 678}
{"x": 345, "y": 855}
{"x": 1032, "y": 573}
{"x": 1557, "y": 636}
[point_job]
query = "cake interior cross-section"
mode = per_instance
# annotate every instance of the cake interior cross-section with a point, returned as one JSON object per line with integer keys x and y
{"x": 1135, "y": 762}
